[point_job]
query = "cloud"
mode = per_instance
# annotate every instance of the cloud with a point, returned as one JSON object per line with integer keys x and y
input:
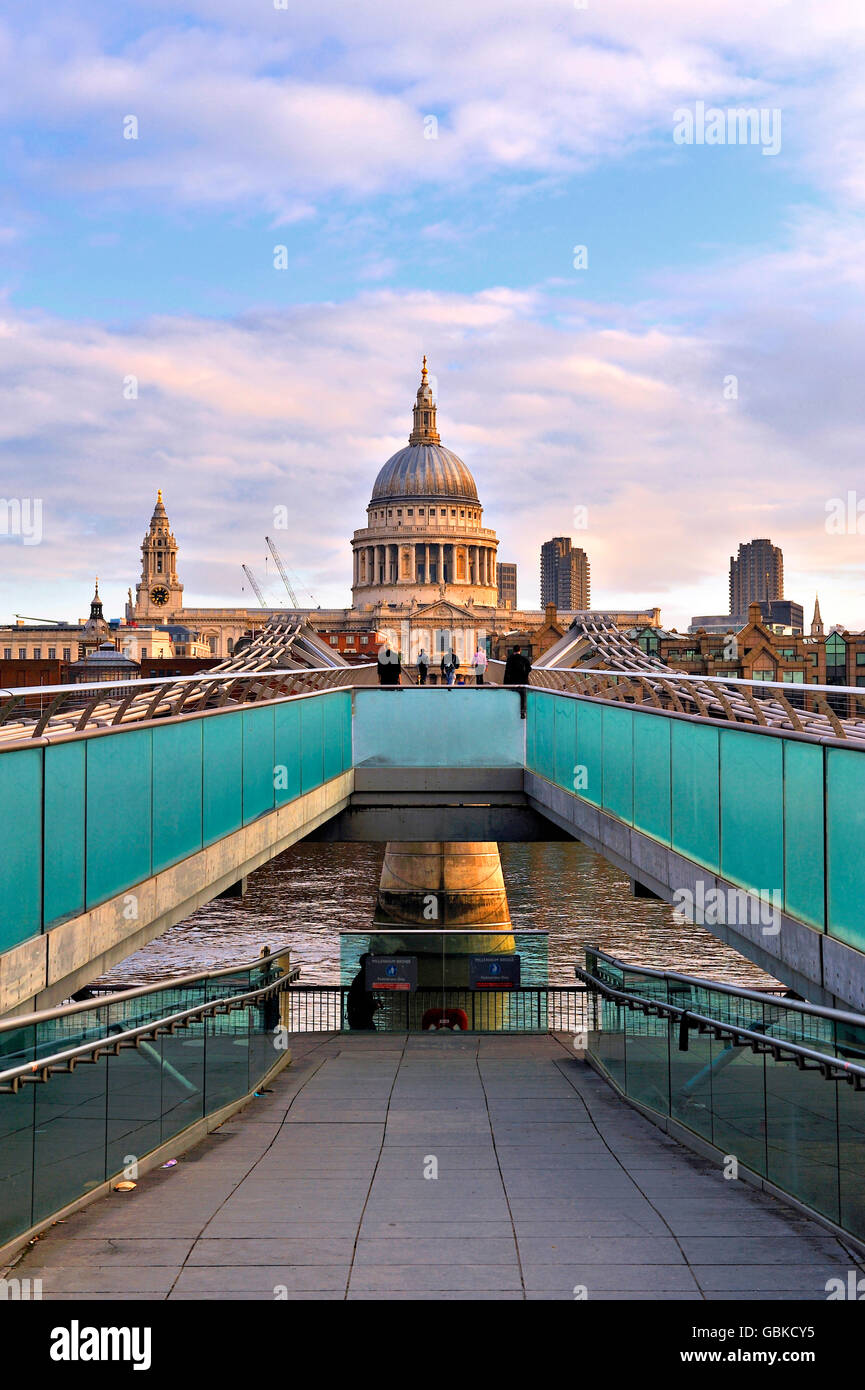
{"x": 253, "y": 107}
{"x": 553, "y": 403}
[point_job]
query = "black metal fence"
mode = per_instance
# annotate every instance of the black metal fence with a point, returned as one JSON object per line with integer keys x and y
{"x": 531, "y": 1009}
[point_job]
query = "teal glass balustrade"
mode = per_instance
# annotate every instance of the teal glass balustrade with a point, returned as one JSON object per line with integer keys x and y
{"x": 799, "y": 1130}
{"x": 63, "y": 1137}
{"x": 92, "y": 817}
{"x": 750, "y": 805}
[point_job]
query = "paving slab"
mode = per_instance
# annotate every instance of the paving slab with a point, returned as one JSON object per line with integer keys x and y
{"x": 546, "y": 1183}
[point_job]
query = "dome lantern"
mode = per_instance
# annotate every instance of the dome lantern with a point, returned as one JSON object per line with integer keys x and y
{"x": 424, "y": 410}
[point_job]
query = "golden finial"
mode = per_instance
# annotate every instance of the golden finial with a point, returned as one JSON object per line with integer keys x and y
{"x": 159, "y": 494}
{"x": 424, "y": 372}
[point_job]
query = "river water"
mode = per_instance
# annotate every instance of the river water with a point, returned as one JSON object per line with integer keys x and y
{"x": 312, "y": 891}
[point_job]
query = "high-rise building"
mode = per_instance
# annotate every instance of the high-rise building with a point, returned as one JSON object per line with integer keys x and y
{"x": 506, "y": 580}
{"x": 756, "y": 573}
{"x": 565, "y": 575}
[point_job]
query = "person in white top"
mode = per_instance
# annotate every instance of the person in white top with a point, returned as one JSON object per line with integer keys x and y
{"x": 479, "y": 661}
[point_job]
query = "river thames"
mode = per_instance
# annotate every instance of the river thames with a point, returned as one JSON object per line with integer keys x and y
{"x": 310, "y": 893}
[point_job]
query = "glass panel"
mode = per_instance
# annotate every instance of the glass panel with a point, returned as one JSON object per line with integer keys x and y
{"x": 133, "y": 1116}
{"x": 455, "y": 975}
{"x": 851, "y": 1157}
{"x": 69, "y": 1139}
{"x": 182, "y": 1055}
{"x": 16, "y": 1159}
{"x": 802, "y": 1135}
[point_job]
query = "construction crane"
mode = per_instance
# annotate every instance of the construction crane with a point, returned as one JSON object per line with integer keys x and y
{"x": 25, "y": 618}
{"x": 255, "y": 584}
{"x": 271, "y": 545}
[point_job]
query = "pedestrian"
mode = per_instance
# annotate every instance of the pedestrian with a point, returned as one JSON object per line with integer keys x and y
{"x": 422, "y": 667}
{"x": 479, "y": 661}
{"x": 517, "y": 668}
{"x": 389, "y": 666}
{"x": 269, "y": 1003}
{"x": 361, "y": 1003}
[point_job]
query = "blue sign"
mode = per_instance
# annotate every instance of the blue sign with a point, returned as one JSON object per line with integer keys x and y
{"x": 391, "y": 972}
{"x": 494, "y": 972}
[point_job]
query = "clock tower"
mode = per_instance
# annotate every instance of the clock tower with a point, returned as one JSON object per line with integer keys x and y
{"x": 159, "y": 595}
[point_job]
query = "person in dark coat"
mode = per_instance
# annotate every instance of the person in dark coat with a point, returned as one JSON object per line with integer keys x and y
{"x": 422, "y": 667}
{"x": 517, "y": 668}
{"x": 361, "y": 1004}
{"x": 269, "y": 1005}
{"x": 389, "y": 667}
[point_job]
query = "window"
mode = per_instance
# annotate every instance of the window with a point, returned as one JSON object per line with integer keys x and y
{"x": 860, "y": 658}
{"x": 67, "y": 653}
{"x": 462, "y": 513}
{"x": 37, "y": 653}
{"x": 794, "y": 677}
{"x": 363, "y": 641}
{"x": 143, "y": 653}
{"x": 420, "y": 511}
{"x": 334, "y": 641}
{"x": 836, "y": 660}
{"x": 52, "y": 653}
{"x": 410, "y": 511}
{"x": 22, "y": 653}
{"x": 860, "y": 680}
{"x": 349, "y": 641}
{"x": 7, "y": 653}
{"x": 763, "y": 675}
{"x": 453, "y": 511}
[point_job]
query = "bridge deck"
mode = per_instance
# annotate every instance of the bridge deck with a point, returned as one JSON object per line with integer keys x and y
{"x": 545, "y": 1181}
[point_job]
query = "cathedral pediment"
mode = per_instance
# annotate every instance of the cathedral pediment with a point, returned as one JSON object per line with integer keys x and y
{"x": 443, "y": 611}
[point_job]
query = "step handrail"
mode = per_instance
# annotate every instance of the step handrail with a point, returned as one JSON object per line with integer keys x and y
{"x": 831, "y": 1068}
{"x": 15, "y": 1021}
{"x": 799, "y": 1005}
{"x": 10, "y": 1080}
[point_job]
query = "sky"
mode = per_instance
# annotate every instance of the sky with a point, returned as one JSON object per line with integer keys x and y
{"x": 230, "y": 230}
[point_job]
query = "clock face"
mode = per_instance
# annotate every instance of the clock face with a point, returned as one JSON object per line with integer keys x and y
{"x": 159, "y": 595}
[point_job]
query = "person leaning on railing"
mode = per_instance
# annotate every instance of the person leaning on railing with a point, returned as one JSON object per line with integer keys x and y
{"x": 269, "y": 1003}
{"x": 517, "y": 668}
{"x": 389, "y": 666}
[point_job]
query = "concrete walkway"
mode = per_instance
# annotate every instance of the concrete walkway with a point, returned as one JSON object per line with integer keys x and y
{"x": 545, "y": 1182}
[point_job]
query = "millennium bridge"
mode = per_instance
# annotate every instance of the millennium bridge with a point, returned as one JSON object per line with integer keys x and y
{"x": 636, "y": 1133}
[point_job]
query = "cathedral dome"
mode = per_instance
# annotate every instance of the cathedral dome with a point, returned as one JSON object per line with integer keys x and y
{"x": 425, "y": 470}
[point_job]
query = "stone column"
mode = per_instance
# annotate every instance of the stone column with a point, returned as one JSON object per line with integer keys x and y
{"x": 441, "y": 567}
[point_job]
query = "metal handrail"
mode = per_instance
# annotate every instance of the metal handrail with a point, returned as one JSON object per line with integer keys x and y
{"x": 800, "y": 1005}
{"x": 830, "y": 1068}
{"x": 42, "y": 1069}
{"x": 200, "y": 678}
{"x": 175, "y": 982}
{"x": 634, "y": 674}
